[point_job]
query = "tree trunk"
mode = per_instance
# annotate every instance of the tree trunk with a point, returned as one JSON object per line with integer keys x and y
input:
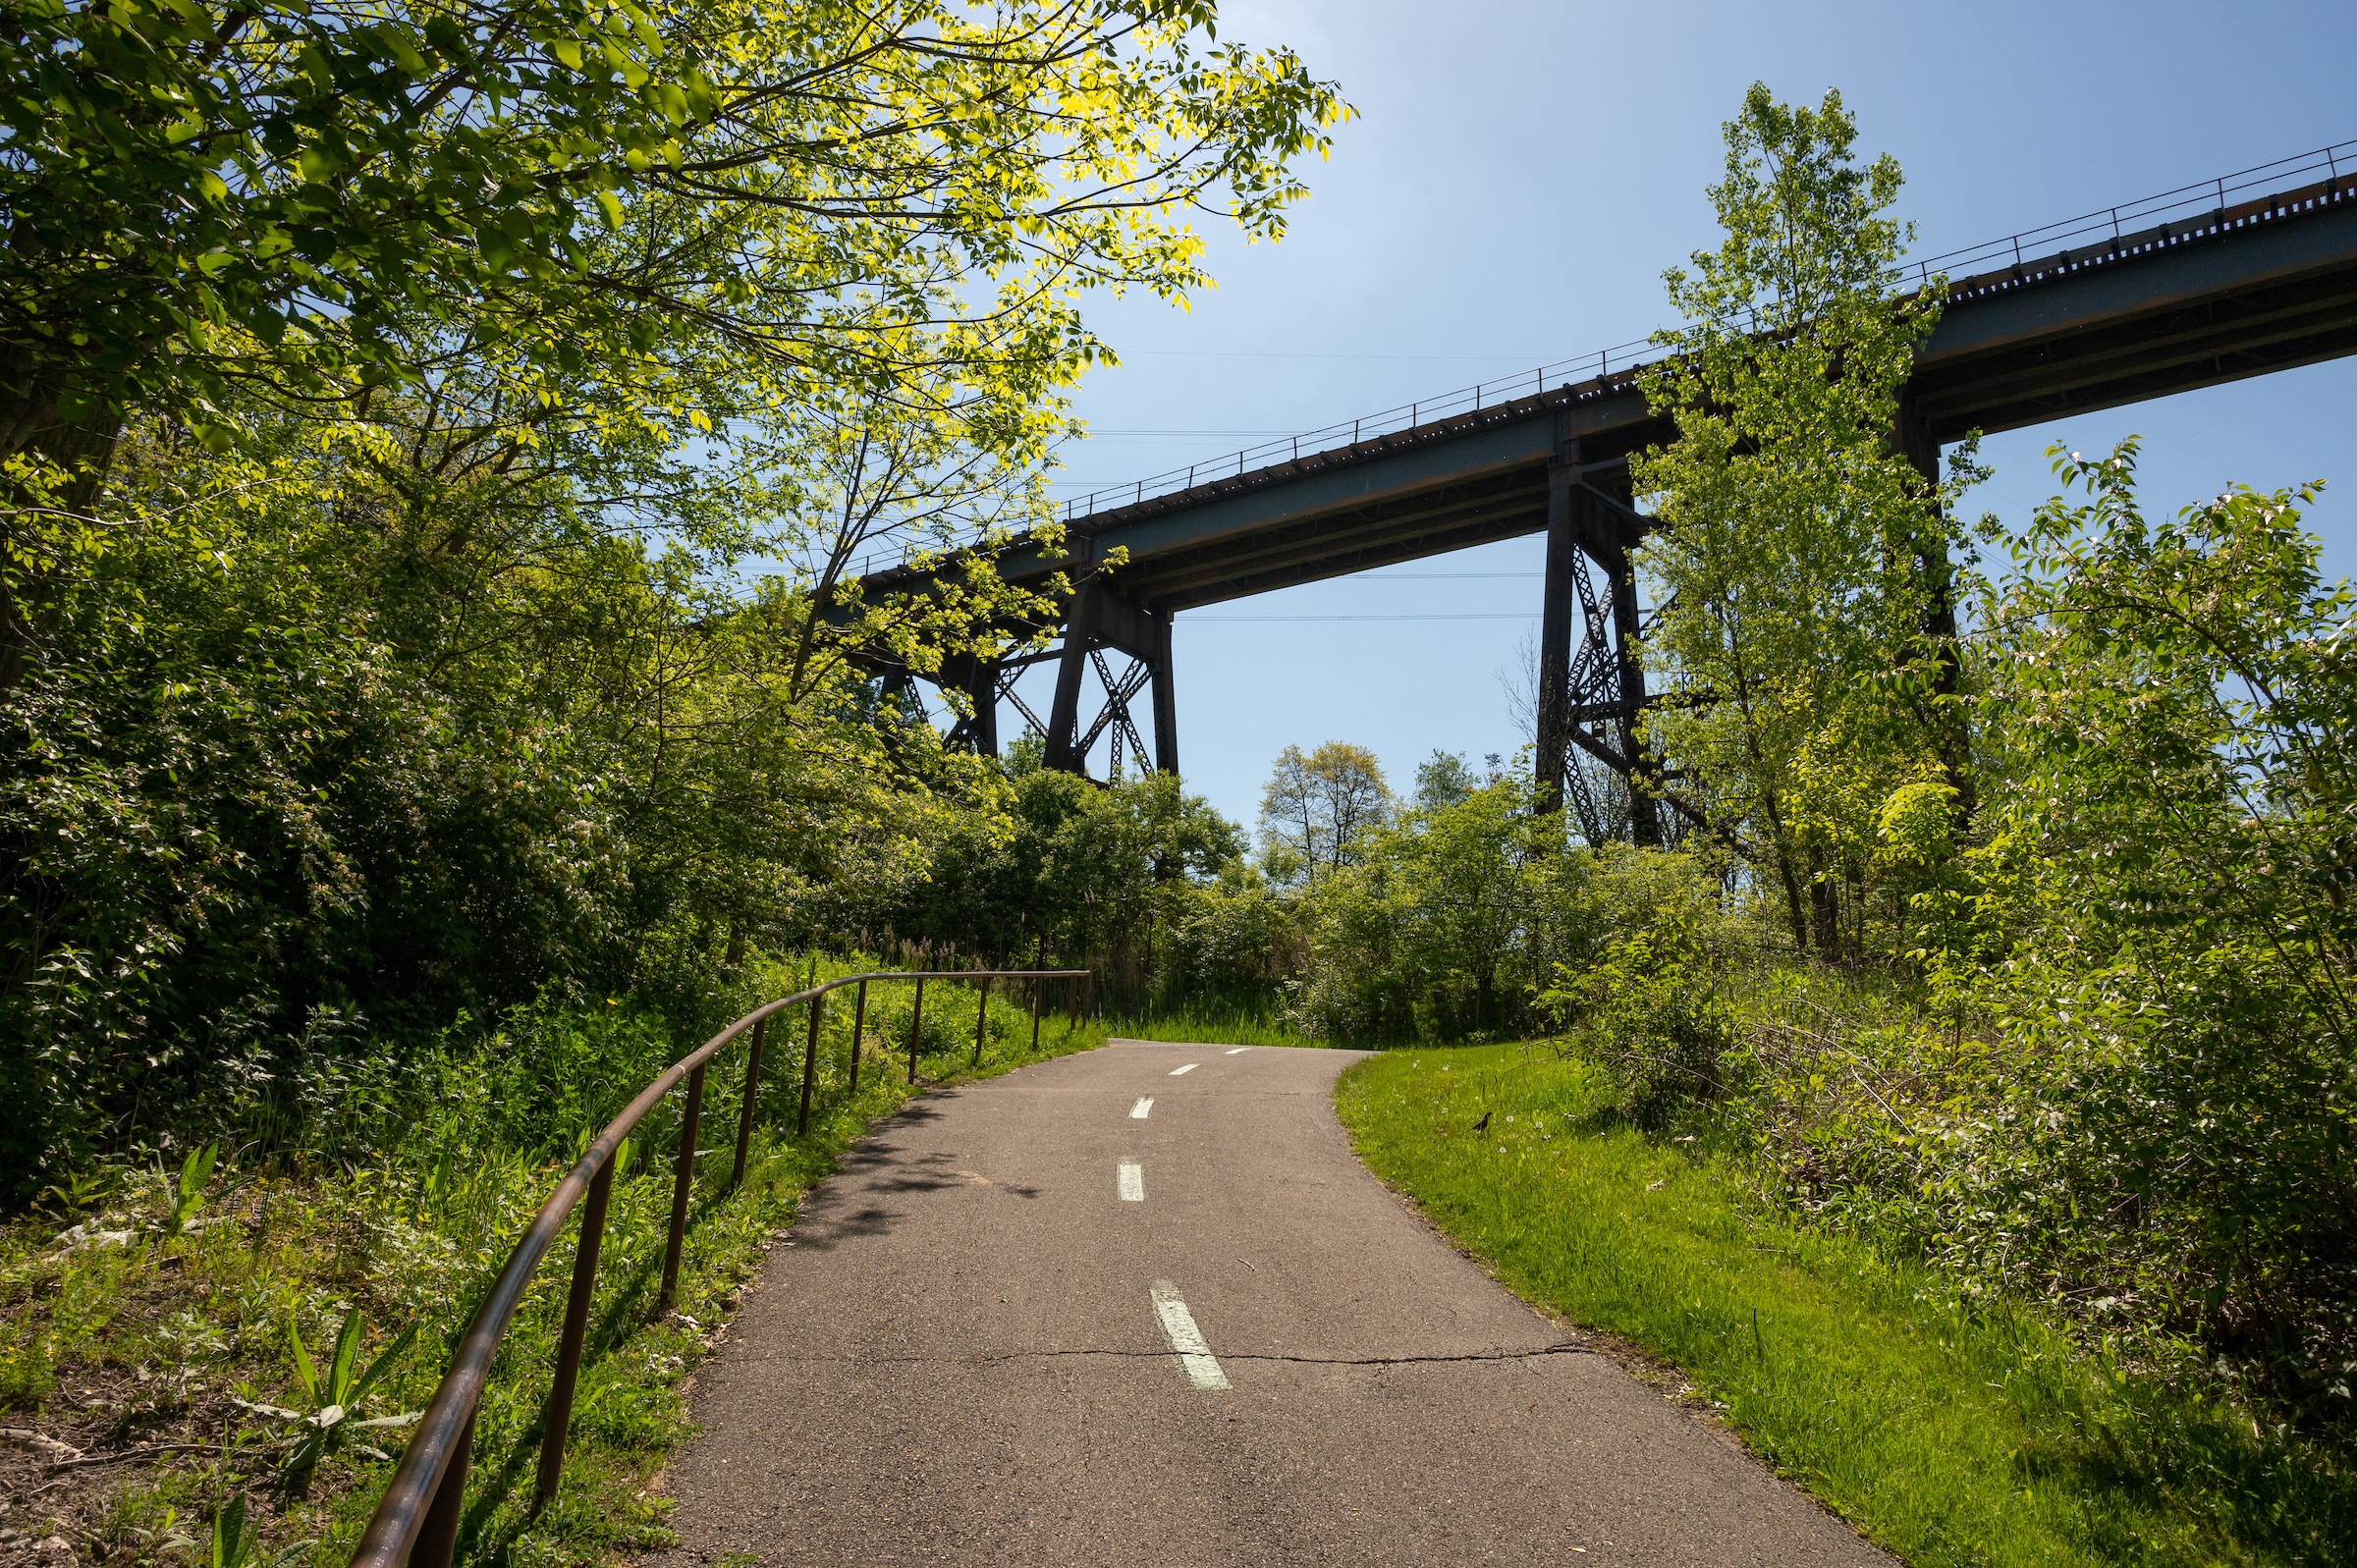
{"x": 1824, "y": 907}
{"x": 1911, "y": 438}
{"x": 1792, "y": 909}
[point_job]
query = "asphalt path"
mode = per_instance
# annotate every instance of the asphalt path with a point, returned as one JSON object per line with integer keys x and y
{"x": 1027, "y": 1325}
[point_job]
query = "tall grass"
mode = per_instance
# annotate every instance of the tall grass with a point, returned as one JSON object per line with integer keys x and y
{"x": 1211, "y": 1025}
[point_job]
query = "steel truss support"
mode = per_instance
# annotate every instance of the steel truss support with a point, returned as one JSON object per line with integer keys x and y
{"x": 1098, "y": 627}
{"x": 1099, "y": 623}
{"x": 898, "y": 695}
{"x": 1592, "y": 696}
{"x": 978, "y": 729}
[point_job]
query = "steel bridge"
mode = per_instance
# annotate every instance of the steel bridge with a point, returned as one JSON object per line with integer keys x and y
{"x": 2239, "y": 276}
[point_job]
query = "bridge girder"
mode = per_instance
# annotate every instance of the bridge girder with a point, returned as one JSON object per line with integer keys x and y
{"x": 2240, "y": 291}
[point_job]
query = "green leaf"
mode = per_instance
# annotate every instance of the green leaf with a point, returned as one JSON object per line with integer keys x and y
{"x": 383, "y": 1363}
{"x": 404, "y": 50}
{"x": 347, "y": 1349}
{"x": 318, "y": 68}
{"x": 231, "y": 1542}
{"x": 304, "y": 1370}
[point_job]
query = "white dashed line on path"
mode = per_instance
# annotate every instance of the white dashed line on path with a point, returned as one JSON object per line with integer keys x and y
{"x": 1186, "y": 1341}
{"x": 1142, "y": 1110}
{"x": 1239, "y": 1051}
{"x": 1189, "y": 1067}
{"x": 1132, "y": 1182}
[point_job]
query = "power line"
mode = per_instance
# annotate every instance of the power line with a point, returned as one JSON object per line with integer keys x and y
{"x": 1251, "y": 354}
{"x": 1192, "y": 620}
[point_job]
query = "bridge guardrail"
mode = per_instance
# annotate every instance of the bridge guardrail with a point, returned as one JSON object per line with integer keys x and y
{"x": 2131, "y": 221}
{"x": 416, "y": 1521}
{"x": 2133, "y": 224}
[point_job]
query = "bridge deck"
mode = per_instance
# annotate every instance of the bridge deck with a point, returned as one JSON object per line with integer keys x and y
{"x": 2240, "y": 292}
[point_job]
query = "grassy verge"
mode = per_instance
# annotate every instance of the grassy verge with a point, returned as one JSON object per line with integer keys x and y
{"x": 133, "y": 1373}
{"x": 1949, "y": 1432}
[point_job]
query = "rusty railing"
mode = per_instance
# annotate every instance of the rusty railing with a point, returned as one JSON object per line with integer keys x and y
{"x": 417, "y": 1519}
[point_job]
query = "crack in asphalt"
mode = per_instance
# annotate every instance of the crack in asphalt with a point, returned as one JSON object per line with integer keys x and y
{"x": 1163, "y": 1355}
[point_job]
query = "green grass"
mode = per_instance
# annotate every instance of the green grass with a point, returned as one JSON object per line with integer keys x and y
{"x": 121, "y": 1347}
{"x": 1950, "y": 1433}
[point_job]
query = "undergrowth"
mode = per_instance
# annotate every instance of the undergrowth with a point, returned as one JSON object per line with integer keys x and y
{"x": 152, "y": 1367}
{"x": 1213, "y": 1026}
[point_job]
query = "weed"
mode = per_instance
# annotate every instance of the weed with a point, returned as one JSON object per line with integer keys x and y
{"x": 1194, "y": 1023}
{"x": 234, "y": 1544}
{"x": 335, "y": 1399}
{"x": 83, "y": 1191}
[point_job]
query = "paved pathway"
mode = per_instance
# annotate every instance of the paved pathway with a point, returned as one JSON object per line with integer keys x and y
{"x": 1039, "y": 1322}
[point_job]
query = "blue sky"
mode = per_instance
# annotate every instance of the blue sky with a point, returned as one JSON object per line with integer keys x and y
{"x": 1518, "y": 179}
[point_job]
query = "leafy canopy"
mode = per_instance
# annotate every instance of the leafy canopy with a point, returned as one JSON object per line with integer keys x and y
{"x": 207, "y": 195}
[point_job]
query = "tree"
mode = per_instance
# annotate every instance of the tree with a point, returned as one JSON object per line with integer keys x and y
{"x": 403, "y": 408}
{"x": 1444, "y": 778}
{"x": 1049, "y": 854}
{"x": 1468, "y": 875}
{"x": 1321, "y": 807}
{"x": 1451, "y": 918}
{"x": 1799, "y": 559}
{"x": 657, "y": 219}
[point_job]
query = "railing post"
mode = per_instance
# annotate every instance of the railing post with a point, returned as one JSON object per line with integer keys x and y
{"x": 434, "y": 1521}
{"x": 752, "y": 1082}
{"x": 802, "y": 1124}
{"x": 577, "y": 1324}
{"x": 438, "y": 1538}
{"x": 681, "y": 1181}
{"x": 916, "y": 1027}
{"x": 859, "y": 1025}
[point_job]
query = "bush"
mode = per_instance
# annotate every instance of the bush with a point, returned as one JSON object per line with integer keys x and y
{"x": 1651, "y": 1011}
{"x": 2176, "y": 705}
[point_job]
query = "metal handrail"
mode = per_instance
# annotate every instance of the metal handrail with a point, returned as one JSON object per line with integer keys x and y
{"x": 418, "y": 1518}
{"x": 2112, "y": 223}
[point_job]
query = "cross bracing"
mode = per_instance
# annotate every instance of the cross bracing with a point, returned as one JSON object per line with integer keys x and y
{"x": 2136, "y": 302}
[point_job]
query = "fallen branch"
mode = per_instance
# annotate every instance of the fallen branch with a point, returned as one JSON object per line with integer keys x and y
{"x": 34, "y": 1439}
